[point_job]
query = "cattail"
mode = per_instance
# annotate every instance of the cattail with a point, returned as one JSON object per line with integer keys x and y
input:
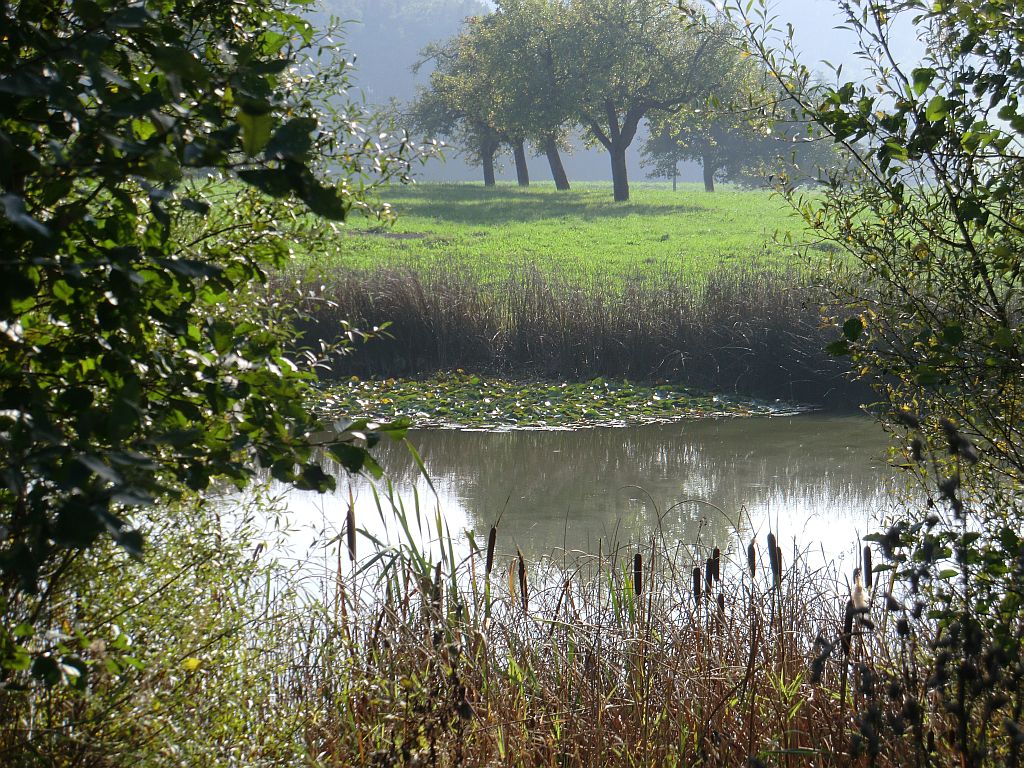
{"x": 696, "y": 584}
{"x": 721, "y": 610}
{"x": 522, "y": 580}
{"x": 907, "y": 418}
{"x": 868, "y": 573}
{"x": 775, "y": 559}
{"x": 752, "y": 559}
{"x": 848, "y": 628}
{"x": 492, "y": 538}
{"x": 716, "y": 559}
{"x": 709, "y": 576}
{"x": 350, "y": 531}
{"x": 638, "y": 574}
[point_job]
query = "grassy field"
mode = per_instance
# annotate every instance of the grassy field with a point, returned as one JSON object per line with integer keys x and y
{"x": 579, "y": 233}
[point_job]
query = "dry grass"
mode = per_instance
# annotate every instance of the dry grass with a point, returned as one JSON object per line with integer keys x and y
{"x": 751, "y": 332}
{"x": 657, "y": 654}
{"x": 611, "y": 659}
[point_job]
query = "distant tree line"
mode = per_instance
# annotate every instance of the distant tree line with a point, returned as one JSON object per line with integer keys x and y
{"x": 527, "y": 75}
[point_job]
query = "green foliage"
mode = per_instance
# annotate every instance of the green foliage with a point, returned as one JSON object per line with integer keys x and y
{"x": 932, "y": 215}
{"x": 743, "y": 136}
{"x": 459, "y": 105}
{"x": 631, "y": 59}
{"x": 682, "y": 236}
{"x": 165, "y": 661}
{"x": 139, "y": 355}
{"x": 534, "y": 68}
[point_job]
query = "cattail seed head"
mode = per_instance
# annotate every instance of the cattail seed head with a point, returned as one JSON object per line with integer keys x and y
{"x": 638, "y": 574}
{"x": 522, "y": 581}
{"x": 492, "y": 539}
{"x": 350, "y": 531}
{"x": 868, "y": 573}
{"x": 848, "y": 628}
{"x": 775, "y": 559}
{"x": 696, "y": 584}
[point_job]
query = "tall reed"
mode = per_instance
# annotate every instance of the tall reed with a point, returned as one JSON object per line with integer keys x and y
{"x": 754, "y": 332}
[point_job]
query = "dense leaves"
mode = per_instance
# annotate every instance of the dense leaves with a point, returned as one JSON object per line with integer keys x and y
{"x": 932, "y": 217}
{"x": 136, "y": 360}
{"x": 537, "y": 68}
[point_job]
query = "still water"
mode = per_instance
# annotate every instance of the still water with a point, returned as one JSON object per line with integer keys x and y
{"x": 816, "y": 481}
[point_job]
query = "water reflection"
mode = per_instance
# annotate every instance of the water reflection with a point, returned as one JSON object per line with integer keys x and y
{"x": 817, "y": 479}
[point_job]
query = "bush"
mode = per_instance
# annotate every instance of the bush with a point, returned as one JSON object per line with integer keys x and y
{"x": 931, "y": 218}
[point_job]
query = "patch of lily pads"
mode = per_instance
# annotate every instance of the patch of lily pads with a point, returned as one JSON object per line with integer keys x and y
{"x": 461, "y": 400}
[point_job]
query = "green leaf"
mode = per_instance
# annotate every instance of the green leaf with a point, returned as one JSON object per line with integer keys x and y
{"x": 132, "y": 17}
{"x": 292, "y": 140}
{"x": 256, "y": 131}
{"x": 179, "y": 61}
{"x": 349, "y": 456}
{"x": 853, "y": 328}
{"x": 937, "y": 109}
{"x": 98, "y": 467}
{"x": 839, "y": 348}
{"x": 953, "y": 334}
{"x": 922, "y": 77}
{"x": 14, "y": 209}
{"x": 274, "y": 182}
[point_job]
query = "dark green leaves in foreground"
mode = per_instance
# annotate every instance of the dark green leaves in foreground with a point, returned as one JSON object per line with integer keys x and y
{"x": 460, "y": 400}
{"x": 139, "y": 355}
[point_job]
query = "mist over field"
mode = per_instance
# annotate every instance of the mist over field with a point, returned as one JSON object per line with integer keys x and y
{"x": 387, "y": 37}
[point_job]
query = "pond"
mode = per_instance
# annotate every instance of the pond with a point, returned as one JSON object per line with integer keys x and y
{"x": 817, "y": 481}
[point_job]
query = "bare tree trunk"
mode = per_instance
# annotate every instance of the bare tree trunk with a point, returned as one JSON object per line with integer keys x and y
{"x": 709, "y": 173}
{"x": 555, "y": 161}
{"x": 675, "y": 175}
{"x": 487, "y": 150}
{"x": 522, "y": 172}
{"x": 620, "y": 180}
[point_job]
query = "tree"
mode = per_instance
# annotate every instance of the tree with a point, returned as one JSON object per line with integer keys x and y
{"x": 725, "y": 133}
{"x": 135, "y": 363}
{"x": 459, "y": 103}
{"x": 930, "y": 216}
{"x": 749, "y": 141}
{"x": 532, "y": 91}
{"x": 628, "y": 59}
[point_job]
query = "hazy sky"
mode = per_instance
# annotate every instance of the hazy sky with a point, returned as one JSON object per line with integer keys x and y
{"x": 815, "y": 34}
{"x": 814, "y": 24}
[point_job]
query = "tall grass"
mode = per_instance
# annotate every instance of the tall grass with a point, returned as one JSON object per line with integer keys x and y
{"x": 642, "y": 654}
{"x": 749, "y": 331}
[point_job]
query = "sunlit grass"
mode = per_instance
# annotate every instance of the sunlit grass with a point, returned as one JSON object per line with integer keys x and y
{"x": 582, "y": 232}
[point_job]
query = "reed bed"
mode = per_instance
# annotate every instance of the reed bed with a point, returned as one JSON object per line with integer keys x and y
{"x": 641, "y": 654}
{"x": 755, "y": 332}
{"x": 631, "y": 657}
{"x": 661, "y": 654}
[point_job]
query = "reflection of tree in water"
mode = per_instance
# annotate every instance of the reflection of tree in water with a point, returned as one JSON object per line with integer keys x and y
{"x": 576, "y": 486}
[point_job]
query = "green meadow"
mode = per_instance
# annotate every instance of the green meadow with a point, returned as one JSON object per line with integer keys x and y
{"x": 580, "y": 233}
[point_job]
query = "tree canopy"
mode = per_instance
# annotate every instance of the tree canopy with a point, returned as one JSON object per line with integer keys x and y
{"x": 534, "y": 69}
{"x": 139, "y": 146}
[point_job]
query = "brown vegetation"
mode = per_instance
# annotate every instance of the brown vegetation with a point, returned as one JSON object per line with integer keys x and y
{"x": 752, "y": 332}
